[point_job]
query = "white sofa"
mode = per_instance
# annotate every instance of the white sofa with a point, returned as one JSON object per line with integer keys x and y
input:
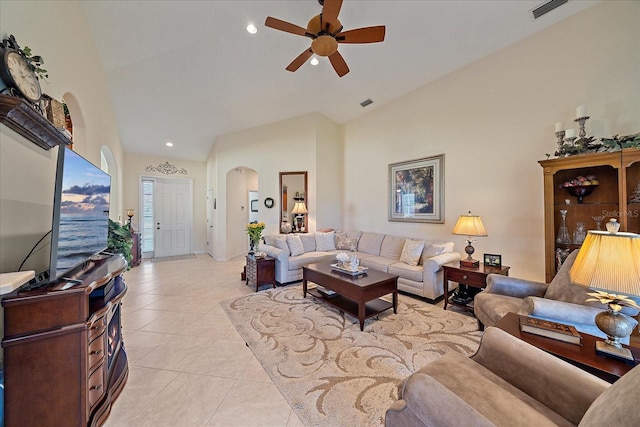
{"x": 377, "y": 251}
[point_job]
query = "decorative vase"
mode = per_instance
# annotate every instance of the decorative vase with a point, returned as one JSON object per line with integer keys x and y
{"x": 579, "y": 234}
{"x": 285, "y": 227}
{"x": 252, "y": 247}
{"x": 613, "y": 226}
{"x": 563, "y": 231}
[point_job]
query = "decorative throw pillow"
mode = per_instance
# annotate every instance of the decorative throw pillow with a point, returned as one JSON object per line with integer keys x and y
{"x": 431, "y": 250}
{"x": 411, "y": 251}
{"x": 270, "y": 239}
{"x": 295, "y": 244}
{"x": 325, "y": 241}
{"x": 345, "y": 243}
{"x": 281, "y": 243}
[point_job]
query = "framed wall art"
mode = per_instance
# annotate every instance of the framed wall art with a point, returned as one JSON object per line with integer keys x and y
{"x": 254, "y": 205}
{"x": 493, "y": 260}
{"x": 416, "y": 190}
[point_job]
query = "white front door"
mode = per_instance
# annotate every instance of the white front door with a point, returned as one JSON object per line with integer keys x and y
{"x": 173, "y": 217}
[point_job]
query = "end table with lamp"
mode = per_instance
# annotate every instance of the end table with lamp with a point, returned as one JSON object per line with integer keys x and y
{"x": 610, "y": 262}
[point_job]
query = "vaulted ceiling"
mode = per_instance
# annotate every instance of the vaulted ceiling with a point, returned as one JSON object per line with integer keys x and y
{"x": 188, "y": 71}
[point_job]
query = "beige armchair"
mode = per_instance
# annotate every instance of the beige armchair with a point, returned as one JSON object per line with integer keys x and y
{"x": 511, "y": 383}
{"x": 560, "y": 301}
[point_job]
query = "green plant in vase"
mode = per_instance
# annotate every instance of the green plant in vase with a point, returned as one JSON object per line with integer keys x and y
{"x": 120, "y": 241}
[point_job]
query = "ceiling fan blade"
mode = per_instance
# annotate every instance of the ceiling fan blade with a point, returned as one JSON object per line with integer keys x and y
{"x": 339, "y": 64}
{"x": 285, "y": 26}
{"x": 362, "y": 35}
{"x": 330, "y": 11}
{"x": 301, "y": 59}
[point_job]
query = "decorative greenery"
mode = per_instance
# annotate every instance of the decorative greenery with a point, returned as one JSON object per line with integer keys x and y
{"x": 254, "y": 231}
{"x": 614, "y": 301}
{"x": 120, "y": 241}
{"x": 35, "y": 62}
{"x": 589, "y": 145}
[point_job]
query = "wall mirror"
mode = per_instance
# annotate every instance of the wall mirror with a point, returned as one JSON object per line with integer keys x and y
{"x": 293, "y": 202}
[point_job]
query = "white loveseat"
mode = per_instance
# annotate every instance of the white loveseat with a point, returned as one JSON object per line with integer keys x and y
{"x": 377, "y": 251}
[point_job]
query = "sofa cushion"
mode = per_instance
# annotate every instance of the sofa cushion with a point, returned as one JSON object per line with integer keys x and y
{"x": 296, "y": 262}
{"x": 411, "y": 251}
{"x": 295, "y": 245}
{"x": 432, "y": 249}
{"x": 499, "y": 306}
{"x": 308, "y": 241}
{"x": 270, "y": 239}
{"x": 280, "y": 242}
{"x": 346, "y": 243}
{"x": 490, "y": 395}
{"x": 370, "y": 243}
{"x": 392, "y": 247}
{"x": 377, "y": 262}
{"x": 325, "y": 241}
{"x": 618, "y": 405}
{"x": 411, "y": 272}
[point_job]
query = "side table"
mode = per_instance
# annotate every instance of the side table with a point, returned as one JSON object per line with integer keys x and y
{"x": 474, "y": 277}
{"x": 260, "y": 271}
{"x": 583, "y": 356}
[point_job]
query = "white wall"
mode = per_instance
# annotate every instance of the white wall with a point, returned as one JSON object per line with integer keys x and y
{"x": 494, "y": 119}
{"x": 135, "y": 168}
{"x": 289, "y": 145}
{"x": 56, "y": 31}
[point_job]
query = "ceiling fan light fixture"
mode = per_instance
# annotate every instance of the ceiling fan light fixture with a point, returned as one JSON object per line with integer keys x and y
{"x": 324, "y": 45}
{"x": 314, "y": 61}
{"x": 252, "y": 29}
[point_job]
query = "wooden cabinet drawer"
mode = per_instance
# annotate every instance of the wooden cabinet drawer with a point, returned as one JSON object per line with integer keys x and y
{"x": 96, "y": 327}
{"x": 95, "y": 385}
{"x": 96, "y": 352}
{"x": 467, "y": 278}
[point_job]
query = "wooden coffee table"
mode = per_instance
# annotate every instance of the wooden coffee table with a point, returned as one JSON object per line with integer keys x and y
{"x": 583, "y": 356}
{"x": 356, "y": 295}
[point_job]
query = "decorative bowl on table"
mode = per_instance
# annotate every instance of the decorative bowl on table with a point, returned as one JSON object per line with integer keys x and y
{"x": 581, "y": 191}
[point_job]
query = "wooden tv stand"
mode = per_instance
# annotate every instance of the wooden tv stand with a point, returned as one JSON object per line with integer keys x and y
{"x": 64, "y": 358}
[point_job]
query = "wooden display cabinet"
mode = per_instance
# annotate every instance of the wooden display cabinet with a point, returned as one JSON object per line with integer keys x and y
{"x": 618, "y": 174}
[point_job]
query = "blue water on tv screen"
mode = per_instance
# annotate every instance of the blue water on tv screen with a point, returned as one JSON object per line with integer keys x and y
{"x": 83, "y": 225}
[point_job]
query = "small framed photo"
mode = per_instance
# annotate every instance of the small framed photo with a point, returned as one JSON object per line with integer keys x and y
{"x": 254, "y": 205}
{"x": 493, "y": 260}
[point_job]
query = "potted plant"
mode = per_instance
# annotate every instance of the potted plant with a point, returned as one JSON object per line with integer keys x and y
{"x": 254, "y": 231}
{"x": 120, "y": 241}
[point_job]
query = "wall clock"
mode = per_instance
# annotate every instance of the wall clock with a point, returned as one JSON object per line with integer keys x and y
{"x": 16, "y": 73}
{"x": 268, "y": 202}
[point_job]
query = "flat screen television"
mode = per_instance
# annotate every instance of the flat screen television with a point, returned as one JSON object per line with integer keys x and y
{"x": 80, "y": 224}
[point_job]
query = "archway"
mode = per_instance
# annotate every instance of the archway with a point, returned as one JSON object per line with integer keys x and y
{"x": 109, "y": 165}
{"x": 241, "y": 188}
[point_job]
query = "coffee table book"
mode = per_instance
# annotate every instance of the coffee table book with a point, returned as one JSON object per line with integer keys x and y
{"x": 549, "y": 329}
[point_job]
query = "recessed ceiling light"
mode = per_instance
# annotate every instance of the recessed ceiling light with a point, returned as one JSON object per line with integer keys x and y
{"x": 252, "y": 29}
{"x": 314, "y": 61}
{"x": 169, "y": 144}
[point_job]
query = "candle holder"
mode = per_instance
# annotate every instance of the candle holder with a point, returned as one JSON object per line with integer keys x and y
{"x": 581, "y": 122}
{"x": 569, "y": 140}
{"x": 560, "y": 136}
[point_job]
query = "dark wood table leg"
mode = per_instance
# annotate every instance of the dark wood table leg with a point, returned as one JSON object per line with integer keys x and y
{"x": 361, "y": 313}
{"x": 445, "y": 285}
{"x": 304, "y": 287}
{"x": 395, "y": 302}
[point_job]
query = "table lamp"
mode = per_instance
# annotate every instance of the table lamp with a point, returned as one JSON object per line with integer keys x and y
{"x": 130, "y": 215}
{"x": 610, "y": 262}
{"x": 299, "y": 209}
{"x": 470, "y": 226}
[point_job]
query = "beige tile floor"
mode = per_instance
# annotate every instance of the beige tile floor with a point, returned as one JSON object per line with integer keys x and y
{"x": 187, "y": 364}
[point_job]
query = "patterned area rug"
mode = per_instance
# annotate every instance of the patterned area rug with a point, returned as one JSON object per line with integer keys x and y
{"x": 330, "y": 372}
{"x": 173, "y": 258}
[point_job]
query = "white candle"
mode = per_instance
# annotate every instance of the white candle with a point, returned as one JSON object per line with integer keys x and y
{"x": 581, "y": 111}
{"x": 569, "y": 133}
{"x": 559, "y": 127}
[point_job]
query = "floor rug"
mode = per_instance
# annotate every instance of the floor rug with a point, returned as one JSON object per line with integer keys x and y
{"x": 173, "y": 258}
{"x": 330, "y": 372}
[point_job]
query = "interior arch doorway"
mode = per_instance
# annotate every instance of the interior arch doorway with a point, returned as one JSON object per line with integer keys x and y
{"x": 242, "y": 189}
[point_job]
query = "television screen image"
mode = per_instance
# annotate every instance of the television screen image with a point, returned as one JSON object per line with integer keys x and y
{"x": 81, "y": 212}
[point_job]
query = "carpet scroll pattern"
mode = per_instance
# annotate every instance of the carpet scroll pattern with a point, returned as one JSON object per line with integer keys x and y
{"x": 330, "y": 372}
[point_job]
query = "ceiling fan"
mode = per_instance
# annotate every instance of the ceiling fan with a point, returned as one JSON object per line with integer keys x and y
{"x": 325, "y": 32}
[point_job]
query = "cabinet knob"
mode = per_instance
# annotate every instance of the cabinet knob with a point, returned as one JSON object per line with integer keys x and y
{"x": 96, "y": 387}
{"x": 97, "y": 352}
{"x": 465, "y": 277}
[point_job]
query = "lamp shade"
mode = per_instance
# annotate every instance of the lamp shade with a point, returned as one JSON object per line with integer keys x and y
{"x": 470, "y": 225}
{"x": 610, "y": 262}
{"x": 299, "y": 208}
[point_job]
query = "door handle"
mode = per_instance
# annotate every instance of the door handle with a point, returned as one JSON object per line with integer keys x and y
{"x": 158, "y": 228}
